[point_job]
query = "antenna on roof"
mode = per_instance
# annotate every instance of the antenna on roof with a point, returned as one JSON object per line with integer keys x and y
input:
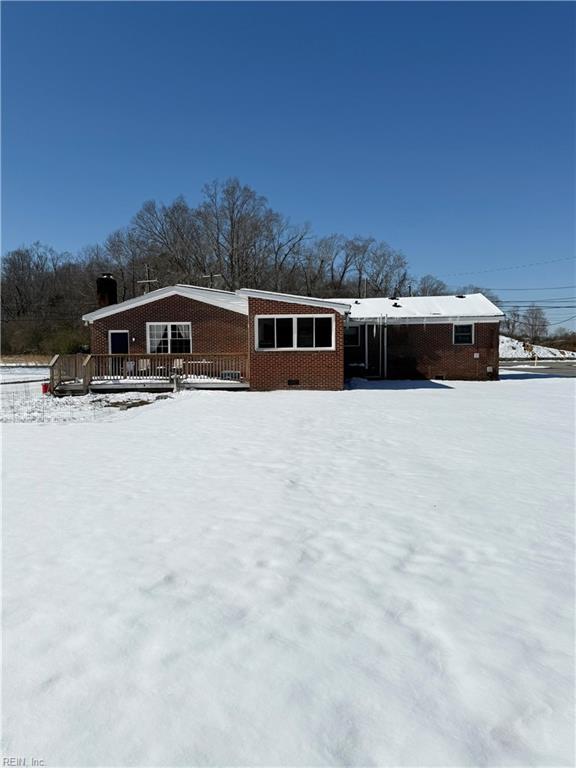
{"x": 210, "y": 277}
{"x": 146, "y": 283}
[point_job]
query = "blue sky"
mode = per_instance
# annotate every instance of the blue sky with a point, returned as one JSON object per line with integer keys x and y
{"x": 446, "y": 129}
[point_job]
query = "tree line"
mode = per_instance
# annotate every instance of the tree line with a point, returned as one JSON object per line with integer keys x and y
{"x": 232, "y": 239}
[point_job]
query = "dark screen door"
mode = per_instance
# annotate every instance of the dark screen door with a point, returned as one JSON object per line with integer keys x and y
{"x": 118, "y": 342}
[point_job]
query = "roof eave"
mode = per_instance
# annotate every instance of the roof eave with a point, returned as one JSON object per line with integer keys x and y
{"x": 189, "y": 291}
{"x": 289, "y": 298}
{"x": 388, "y": 320}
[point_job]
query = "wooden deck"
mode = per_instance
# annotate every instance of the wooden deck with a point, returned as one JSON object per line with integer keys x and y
{"x": 80, "y": 374}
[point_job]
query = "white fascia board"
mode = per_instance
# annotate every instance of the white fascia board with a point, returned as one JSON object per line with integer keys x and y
{"x": 464, "y": 320}
{"x": 112, "y": 309}
{"x": 223, "y": 299}
{"x": 289, "y": 298}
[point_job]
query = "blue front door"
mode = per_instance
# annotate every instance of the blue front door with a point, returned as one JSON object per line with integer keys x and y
{"x": 119, "y": 342}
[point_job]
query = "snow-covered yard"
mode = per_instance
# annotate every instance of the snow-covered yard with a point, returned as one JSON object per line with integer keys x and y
{"x": 9, "y": 373}
{"x": 371, "y": 577}
{"x": 513, "y": 349}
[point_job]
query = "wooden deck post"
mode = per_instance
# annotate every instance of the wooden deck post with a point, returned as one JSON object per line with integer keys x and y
{"x": 86, "y": 373}
{"x": 53, "y": 382}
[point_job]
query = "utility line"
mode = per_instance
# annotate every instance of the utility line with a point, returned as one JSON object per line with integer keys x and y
{"x": 515, "y": 266}
{"x": 563, "y": 321}
{"x": 547, "y": 307}
{"x": 539, "y": 288}
{"x": 546, "y": 299}
{"x": 538, "y": 300}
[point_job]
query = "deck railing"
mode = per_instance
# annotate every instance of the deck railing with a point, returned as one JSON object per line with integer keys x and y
{"x": 218, "y": 366}
{"x": 66, "y": 368}
{"x": 86, "y": 369}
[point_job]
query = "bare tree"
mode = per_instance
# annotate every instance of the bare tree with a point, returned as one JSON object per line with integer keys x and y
{"x": 428, "y": 285}
{"x": 512, "y": 322}
{"x": 478, "y": 289}
{"x": 241, "y": 238}
{"x": 285, "y": 243}
{"x": 232, "y": 232}
{"x": 359, "y": 249}
{"x": 41, "y": 298}
{"x": 170, "y": 239}
{"x": 534, "y": 323}
{"x": 230, "y": 220}
{"x": 313, "y": 271}
{"x": 385, "y": 271}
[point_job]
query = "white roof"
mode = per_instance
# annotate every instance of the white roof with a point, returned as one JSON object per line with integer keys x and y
{"x": 473, "y": 306}
{"x": 340, "y": 305}
{"x": 223, "y": 299}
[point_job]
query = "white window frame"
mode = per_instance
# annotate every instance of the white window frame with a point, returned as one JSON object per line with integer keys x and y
{"x": 117, "y": 330}
{"x": 352, "y": 346}
{"x": 294, "y": 348}
{"x": 169, "y": 323}
{"x": 462, "y": 343}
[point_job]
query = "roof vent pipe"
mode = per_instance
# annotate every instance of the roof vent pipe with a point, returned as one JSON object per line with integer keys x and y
{"x": 106, "y": 290}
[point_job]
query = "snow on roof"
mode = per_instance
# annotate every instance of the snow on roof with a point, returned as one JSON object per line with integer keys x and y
{"x": 340, "y": 305}
{"x": 412, "y": 308}
{"x": 223, "y": 299}
{"x": 474, "y": 305}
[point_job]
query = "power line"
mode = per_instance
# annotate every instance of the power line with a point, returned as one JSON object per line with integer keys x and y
{"x": 567, "y": 303}
{"x": 567, "y": 319}
{"x": 535, "y": 306}
{"x": 542, "y": 306}
{"x": 515, "y": 266}
{"x": 526, "y": 301}
{"x": 539, "y": 288}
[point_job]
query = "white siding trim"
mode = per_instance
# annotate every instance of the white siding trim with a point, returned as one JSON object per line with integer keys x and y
{"x": 427, "y": 320}
{"x": 223, "y": 299}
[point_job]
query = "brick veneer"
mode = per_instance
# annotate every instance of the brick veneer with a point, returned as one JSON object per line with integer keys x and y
{"x": 428, "y": 351}
{"x": 213, "y": 329}
{"x": 312, "y": 369}
{"x": 414, "y": 351}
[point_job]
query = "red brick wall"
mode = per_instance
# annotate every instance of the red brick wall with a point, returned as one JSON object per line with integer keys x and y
{"x": 428, "y": 351}
{"x": 213, "y": 329}
{"x": 313, "y": 370}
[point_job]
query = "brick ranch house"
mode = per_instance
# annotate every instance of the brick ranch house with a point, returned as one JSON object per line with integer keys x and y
{"x": 265, "y": 340}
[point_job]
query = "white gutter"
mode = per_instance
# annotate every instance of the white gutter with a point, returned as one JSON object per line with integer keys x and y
{"x": 425, "y": 320}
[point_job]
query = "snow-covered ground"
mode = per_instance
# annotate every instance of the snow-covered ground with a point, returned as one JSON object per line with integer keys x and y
{"x": 26, "y": 403}
{"x": 13, "y": 373}
{"x": 512, "y": 349}
{"x": 381, "y": 576}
